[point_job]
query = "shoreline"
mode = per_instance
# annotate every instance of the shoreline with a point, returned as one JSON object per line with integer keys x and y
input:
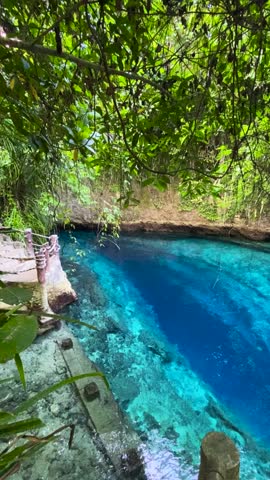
{"x": 203, "y": 230}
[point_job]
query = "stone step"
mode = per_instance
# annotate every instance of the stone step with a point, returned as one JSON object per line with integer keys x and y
{"x": 30, "y": 276}
{"x": 11, "y": 265}
{"x": 10, "y": 252}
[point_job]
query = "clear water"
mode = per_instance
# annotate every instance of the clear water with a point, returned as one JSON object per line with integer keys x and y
{"x": 184, "y": 341}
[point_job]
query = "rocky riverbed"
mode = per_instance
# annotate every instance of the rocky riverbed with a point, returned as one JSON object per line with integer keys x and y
{"x": 45, "y": 366}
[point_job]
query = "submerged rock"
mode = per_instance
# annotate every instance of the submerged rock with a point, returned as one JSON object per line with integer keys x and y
{"x": 111, "y": 327}
{"x": 216, "y": 413}
{"x": 163, "y": 354}
{"x": 157, "y": 348}
{"x": 132, "y": 465}
{"x": 55, "y": 409}
{"x": 171, "y": 434}
{"x": 152, "y": 423}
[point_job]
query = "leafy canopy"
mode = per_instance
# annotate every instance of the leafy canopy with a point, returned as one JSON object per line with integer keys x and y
{"x": 143, "y": 87}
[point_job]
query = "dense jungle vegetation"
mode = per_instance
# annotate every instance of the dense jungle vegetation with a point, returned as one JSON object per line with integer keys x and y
{"x": 134, "y": 91}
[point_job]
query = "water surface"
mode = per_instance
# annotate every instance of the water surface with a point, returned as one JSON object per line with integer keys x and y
{"x": 184, "y": 341}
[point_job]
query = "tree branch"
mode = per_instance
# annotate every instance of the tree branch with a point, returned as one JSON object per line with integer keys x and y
{"x": 73, "y": 9}
{"x": 50, "y": 52}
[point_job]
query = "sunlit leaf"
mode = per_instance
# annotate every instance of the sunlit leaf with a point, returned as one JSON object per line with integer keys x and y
{"x": 15, "y": 295}
{"x": 16, "y": 335}
{"x": 20, "y": 369}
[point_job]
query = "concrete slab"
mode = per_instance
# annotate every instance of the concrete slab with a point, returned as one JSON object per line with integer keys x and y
{"x": 111, "y": 427}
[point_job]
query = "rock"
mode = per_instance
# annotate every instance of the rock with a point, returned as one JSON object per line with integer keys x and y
{"x": 60, "y": 297}
{"x": 59, "y": 290}
{"x": 132, "y": 465}
{"x": 100, "y": 342}
{"x": 171, "y": 434}
{"x": 55, "y": 409}
{"x": 91, "y": 392}
{"x": 200, "y": 229}
{"x": 125, "y": 404}
{"x": 216, "y": 413}
{"x": 112, "y": 328}
{"x": 157, "y": 350}
{"x": 67, "y": 343}
{"x": 151, "y": 422}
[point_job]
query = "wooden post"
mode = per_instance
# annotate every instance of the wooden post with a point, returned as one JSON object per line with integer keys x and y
{"x": 219, "y": 458}
{"x": 55, "y": 247}
{"x": 46, "y": 250}
{"x": 29, "y": 241}
{"x": 41, "y": 273}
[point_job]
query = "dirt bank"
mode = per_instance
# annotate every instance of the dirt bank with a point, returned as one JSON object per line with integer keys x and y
{"x": 161, "y": 212}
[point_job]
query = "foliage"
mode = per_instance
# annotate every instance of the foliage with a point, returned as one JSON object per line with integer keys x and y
{"x": 146, "y": 88}
{"x": 12, "y": 457}
{"x": 109, "y": 224}
{"x": 17, "y": 332}
{"x": 243, "y": 193}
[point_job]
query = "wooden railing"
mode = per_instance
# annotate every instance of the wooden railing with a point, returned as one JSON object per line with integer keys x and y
{"x": 43, "y": 252}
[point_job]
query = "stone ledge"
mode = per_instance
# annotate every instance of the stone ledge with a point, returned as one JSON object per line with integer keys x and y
{"x": 110, "y": 427}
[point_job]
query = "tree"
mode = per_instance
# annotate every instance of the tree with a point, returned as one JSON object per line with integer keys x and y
{"x": 148, "y": 88}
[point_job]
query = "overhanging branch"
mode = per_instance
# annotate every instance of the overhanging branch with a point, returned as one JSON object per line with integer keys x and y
{"x": 81, "y": 62}
{"x": 71, "y": 10}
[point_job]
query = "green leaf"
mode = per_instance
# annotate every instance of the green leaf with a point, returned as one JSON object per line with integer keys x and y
{"x": 67, "y": 319}
{"x": 32, "y": 401}
{"x": 15, "y": 295}
{"x": 16, "y": 335}
{"x": 148, "y": 181}
{"x": 17, "y": 120}
{"x": 10, "y": 459}
{"x": 20, "y": 369}
{"x": 5, "y": 416}
{"x": 10, "y": 429}
{"x": 8, "y": 312}
{"x": 161, "y": 185}
{"x": 135, "y": 140}
{"x": 15, "y": 455}
{"x": 3, "y": 86}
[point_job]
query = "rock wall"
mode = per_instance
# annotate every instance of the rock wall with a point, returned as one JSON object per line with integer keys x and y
{"x": 160, "y": 212}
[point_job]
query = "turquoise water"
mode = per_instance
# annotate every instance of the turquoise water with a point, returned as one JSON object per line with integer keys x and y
{"x": 184, "y": 339}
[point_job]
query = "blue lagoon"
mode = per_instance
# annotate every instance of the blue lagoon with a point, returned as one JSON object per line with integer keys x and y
{"x": 184, "y": 340}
